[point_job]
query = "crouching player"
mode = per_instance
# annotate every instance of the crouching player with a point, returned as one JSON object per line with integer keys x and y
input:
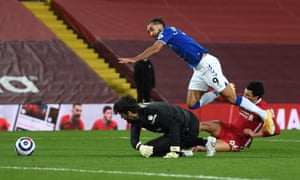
{"x": 239, "y": 134}
{"x": 179, "y": 126}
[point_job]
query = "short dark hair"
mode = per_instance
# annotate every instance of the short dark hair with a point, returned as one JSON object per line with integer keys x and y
{"x": 257, "y": 88}
{"x": 77, "y": 104}
{"x": 106, "y": 108}
{"x": 157, "y": 20}
{"x": 125, "y": 104}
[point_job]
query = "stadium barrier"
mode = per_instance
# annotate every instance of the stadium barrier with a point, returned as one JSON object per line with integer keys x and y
{"x": 286, "y": 115}
{"x": 20, "y": 117}
{"x": 46, "y": 117}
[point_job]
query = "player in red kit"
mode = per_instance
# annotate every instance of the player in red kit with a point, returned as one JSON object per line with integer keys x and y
{"x": 73, "y": 121}
{"x": 106, "y": 123}
{"x": 237, "y": 135}
{"x": 263, "y": 132}
{"x": 4, "y": 124}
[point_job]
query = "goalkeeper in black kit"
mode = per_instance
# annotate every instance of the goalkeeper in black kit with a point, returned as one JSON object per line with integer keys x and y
{"x": 179, "y": 126}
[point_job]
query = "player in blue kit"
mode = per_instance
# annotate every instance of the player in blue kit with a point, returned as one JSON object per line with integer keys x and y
{"x": 207, "y": 70}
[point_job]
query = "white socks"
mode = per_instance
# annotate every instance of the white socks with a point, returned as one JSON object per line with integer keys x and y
{"x": 248, "y": 105}
{"x": 208, "y": 97}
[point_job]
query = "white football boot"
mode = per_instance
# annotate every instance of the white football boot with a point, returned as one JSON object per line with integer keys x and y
{"x": 210, "y": 146}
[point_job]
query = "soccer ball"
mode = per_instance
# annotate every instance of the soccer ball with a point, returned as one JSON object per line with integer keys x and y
{"x": 24, "y": 146}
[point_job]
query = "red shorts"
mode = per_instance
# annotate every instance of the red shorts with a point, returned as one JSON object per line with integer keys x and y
{"x": 228, "y": 135}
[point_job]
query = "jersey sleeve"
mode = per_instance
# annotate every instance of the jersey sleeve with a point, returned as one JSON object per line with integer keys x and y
{"x": 4, "y": 124}
{"x": 135, "y": 131}
{"x": 81, "y": 125}
{"x": 171, "y": 127}
{"x": 63, "y": 122}
{"x": 165, "y": 35}
{"x": 169, "y": 122}
{"x": 95, "y": 125}
{"x": 115, "y": 125}
{"x": 174, "y": 134}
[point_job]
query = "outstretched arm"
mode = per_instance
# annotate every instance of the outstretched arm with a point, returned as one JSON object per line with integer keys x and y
{"x": 155, "y": 48}
{"x": 253, "y": 134}
{"x": 262, "y": 132}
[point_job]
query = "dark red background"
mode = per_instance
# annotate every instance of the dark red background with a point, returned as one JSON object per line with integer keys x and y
{"x": 254, "y": 39}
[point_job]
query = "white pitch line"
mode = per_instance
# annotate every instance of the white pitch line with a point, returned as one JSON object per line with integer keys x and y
{"x": 124, "y": 173}
{"x": 282, "y": 140}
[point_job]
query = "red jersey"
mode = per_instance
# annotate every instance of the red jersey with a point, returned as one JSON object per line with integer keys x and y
{"x": 101, "y": 125}
{"x": 4, "y": 125}
{"x": 67, "y": 124}
{"x": 233, "y": 133}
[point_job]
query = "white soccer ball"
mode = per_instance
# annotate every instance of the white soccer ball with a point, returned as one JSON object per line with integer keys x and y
{"x": 25, "y": 146}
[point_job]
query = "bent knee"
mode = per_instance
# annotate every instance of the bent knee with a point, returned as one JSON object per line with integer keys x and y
{"x": 228, "y": 95}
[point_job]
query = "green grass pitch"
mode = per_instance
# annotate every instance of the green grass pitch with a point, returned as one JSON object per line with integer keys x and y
{"x": 108, "y": 155}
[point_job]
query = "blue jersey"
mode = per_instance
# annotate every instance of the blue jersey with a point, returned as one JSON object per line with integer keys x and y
{"x": 186, "y": 47}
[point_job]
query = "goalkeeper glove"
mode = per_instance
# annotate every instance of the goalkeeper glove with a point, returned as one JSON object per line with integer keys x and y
{"x": 174, "y": 152}
{"x": 146, "y": 150}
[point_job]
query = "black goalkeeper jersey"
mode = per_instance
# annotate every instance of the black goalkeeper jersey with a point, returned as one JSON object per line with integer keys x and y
{"x": 164, "y": 118}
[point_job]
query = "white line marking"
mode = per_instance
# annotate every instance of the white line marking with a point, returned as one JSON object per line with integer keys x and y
{"x": 124, "y": 173}
{"x": 123, "y": 137}
{"x": 282, "y": 140}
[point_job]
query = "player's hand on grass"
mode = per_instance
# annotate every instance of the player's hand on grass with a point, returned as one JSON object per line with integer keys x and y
{"x": 171, "y": 155}
{"x": 174, "y": 152}
{"x": 146, "y": 150}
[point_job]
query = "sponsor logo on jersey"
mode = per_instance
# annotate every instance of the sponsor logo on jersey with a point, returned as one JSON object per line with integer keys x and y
{"x": 152, "y": 118}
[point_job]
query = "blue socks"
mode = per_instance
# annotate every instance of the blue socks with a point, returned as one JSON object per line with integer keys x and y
{"x": 238, "y": 100}
{"x": 195, "y": 106}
